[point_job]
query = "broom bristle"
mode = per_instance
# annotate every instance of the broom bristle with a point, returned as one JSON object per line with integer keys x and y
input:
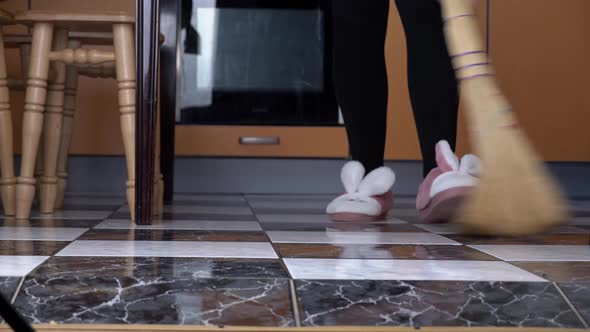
{"x": 516, "y": 194}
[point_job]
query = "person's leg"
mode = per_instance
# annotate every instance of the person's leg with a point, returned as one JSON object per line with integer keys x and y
{"x": 360, "y": 75}
{"x": 431, "y": 78}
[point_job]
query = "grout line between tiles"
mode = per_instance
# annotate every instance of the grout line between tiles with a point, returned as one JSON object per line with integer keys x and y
{"x": 567, "y": 300}
{"x": 295, "y": 303}
{"x": 18, "y": 288}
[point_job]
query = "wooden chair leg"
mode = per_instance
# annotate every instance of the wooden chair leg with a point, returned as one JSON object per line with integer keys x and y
{"x": 68, "y": 122}
{"x": 52, "y": 127}
{"x": 33, "y": 116}
{"x": 7, "y": 179}
{"x": 125, "y": 63}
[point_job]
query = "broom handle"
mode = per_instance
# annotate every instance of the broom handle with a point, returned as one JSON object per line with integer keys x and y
{"x": 470, "y": 59}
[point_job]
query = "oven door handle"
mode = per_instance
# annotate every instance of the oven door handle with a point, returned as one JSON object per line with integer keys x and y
{"x": 260, "y": 140}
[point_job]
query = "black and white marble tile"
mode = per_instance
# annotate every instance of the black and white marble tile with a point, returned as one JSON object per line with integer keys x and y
{"x": 51, "y": 222}
{"x": 40, "y": 233}
{"x": 320, "y": 218}
{"x": 427, "y": 303}
{"x": 8, "y": 286}
{"x": 172, "y": 235}
{"x": 209, "y": 198}
{"x": 567, "y": 272}
{"x": 73, "y": 214}
{"x": 548, "y": 239}
{"x": 381, "y": 251}
{"x": 456, "y": 229}
{"x": 579, "y": 296}
{"x": 537, "y": 253}
{"x": 69, "y": 206}
{"x": 18, "y": 266}
{"x": 203, "y": 225}
{"x": 178, "y": 209}
{"x": 164, "y": 267}
{"x": 137, "y": 300}
{"x": 202, "y": 249}
{"x": 31, "y": 248}
{"x": 366, "y": 237}
{"x": 390, "y": 269}
{"x": 343, "y": 226}
{"x": 192, "y": 216}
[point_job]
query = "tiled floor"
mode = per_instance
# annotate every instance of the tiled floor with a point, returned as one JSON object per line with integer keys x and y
{"x": 277, "y": 260}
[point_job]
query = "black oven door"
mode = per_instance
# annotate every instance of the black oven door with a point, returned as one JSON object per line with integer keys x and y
{"x": 256, "y": 62}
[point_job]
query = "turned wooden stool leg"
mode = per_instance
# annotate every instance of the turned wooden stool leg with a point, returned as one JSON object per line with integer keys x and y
{"x": 7, "y": 179}
{"x": 68, "y": 122}
{"x": 52, "y": 127}
{"x": 125, "y": 62}
{"x": 33, "y": 116}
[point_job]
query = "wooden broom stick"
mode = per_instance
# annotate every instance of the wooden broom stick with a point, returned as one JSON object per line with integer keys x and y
{"x": 516, "y": 195}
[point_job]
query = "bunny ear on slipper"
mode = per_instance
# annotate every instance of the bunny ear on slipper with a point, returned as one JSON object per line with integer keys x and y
{"x": 351, "y": 175}
{"x": 445, "y": 157}
{"x": 470, "y": 164}
{"x": 377, "y": 182}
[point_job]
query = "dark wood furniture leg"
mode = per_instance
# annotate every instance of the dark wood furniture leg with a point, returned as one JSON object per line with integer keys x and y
{"x": 147, "y": 59}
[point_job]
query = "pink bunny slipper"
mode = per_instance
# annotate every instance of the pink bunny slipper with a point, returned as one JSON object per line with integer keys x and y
{"x": 368, "y": 198}
{"x": 443, "y": 191}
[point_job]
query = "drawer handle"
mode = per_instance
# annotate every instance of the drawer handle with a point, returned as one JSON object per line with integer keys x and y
{"x": 260, "y": 140}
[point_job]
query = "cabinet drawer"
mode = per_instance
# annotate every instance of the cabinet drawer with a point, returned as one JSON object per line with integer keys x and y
{"x": 256, "y": 141}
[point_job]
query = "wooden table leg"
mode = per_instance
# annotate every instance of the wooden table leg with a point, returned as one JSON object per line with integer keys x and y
{"x": 147, "y": 59}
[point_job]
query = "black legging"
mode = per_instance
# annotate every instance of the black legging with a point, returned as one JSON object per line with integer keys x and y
{"x": 360, "y": 76}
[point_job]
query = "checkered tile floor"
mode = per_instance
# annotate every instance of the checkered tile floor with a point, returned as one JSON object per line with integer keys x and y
{"x": 277, "y": 260}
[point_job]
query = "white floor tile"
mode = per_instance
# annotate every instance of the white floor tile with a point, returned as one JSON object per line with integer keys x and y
{"x": 41, "y": 233}
{"x": 372, "y": 269}
{"x": 338, "y": 237}
{"x": 169, "y": 249}
{"x": 537, "y": 253}
{"x": 183, "y": 224}
{"x": 18, "y": 266}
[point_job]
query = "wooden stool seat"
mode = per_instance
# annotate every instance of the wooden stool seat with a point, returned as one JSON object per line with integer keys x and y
{"x": 75, "y": 21}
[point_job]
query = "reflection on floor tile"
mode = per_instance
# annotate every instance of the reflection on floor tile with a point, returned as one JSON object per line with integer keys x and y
{"x": 579, "y": 296}
{"x": 8, "y": 286}
{"x": 40, "y": 233}
{"x": 377, "y": 269}
{"x": 50, "y": 222}
{"x": 169, "y": 249}
{"x": 16, "y": 266}
{"x": 183, "y": 224}
{"x": 549, "y": 239}
{"x": 425, "y": 303}
{"x": 172, "y": 235}
{"x": 193, "y": 216}
{"x": 358, "y": 238}
{"x": 308, "y": 218}
{"x": 165, "y": 267}
{"x": 559, "y": 271}
{"x": 180, "y": 301}
{"x": 537, "y": 253}
{"x": 456, "y": 229}
{"x": 343, "y": 226}
{"x": 31, "y": 248}
{"x": 198, "y": 209}
{"x": 381, "y": 251}
{"x": 73, "y": 214}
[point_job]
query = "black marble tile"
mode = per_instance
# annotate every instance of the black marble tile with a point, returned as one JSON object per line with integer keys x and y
{"x": 31, "y": 248}
{"x": 344, "y": 226}
{"x": 8, "y": 286}
{"x": 579, "y": 296}
{"x": 193, "y": 216}
{"x": 568, "y": 272}
{"x": 173, "y": 235}
{"x": 136, "y": 300}
{"x": 50, "y": 222}
{"x": 549, "y": 239}
{"x": 429, "y": 303}
{"x": 165, "y": 267}
{"x": 385, "y": 251}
